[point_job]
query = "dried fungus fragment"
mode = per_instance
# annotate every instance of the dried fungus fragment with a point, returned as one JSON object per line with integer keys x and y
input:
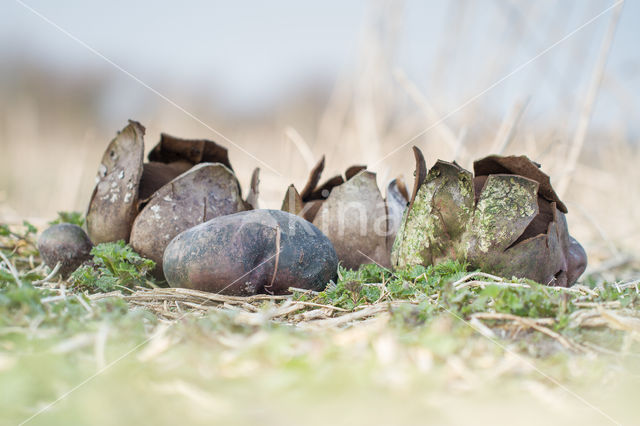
{"x": 125, "y": 188}
{"x": 314, "y": 179}
{"x": 419, "y": 175}
{"x": 114, "y": 202}
{"x": 292, "y": 202}
{"x": 507, "y": 205}
{"x": 439, "y": 213}
{"x": 155, "y": 175}
{"x": 521, "y": 166}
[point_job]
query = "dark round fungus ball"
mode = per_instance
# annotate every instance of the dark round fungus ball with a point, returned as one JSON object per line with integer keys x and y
{"x": 67, "y": 244}
{"x": 251, "y": 252}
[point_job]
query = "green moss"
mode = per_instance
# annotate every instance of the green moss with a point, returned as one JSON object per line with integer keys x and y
{"x": 114, "y": 266}
{"x": 75, "y": 218}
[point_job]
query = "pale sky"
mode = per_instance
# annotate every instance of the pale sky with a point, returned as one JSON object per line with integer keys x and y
{"x": 250, "y": 53}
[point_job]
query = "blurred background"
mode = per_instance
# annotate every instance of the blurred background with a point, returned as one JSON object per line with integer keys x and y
{"x": 281, "y": 83}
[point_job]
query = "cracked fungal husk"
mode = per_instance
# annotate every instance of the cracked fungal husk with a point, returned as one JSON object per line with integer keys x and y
{"x": 125, "y": 185}
{"x": 505, "y": 220}
{"x": 202, "y": 193}
{"x": 351, "y": 212}
{"x": 251, "y": 252}
{"x": 114, "y": 202}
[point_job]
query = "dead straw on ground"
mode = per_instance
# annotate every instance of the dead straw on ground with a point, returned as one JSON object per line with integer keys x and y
{"x": 174, "y": 304}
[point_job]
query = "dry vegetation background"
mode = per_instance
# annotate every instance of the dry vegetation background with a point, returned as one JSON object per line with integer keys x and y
{"x": 53, "y": 130}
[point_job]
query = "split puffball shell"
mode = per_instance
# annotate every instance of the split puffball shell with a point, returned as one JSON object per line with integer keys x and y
{"x": 204, "y": 192}
{"x": 114, "y": 202}
{"x": 354, "y": 217}
{"x": 507, "y": 220}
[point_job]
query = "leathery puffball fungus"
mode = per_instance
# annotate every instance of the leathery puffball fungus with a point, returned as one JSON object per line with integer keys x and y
{"x": 251, "y": 252}
{"x": 506, "y": 220}
{"x": 350, "y": 211}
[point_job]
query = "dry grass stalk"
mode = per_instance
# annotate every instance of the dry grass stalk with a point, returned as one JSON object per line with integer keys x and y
{"x": 12, "y": 269}
{"x": 303, "y": 147}
{"x": 50, "y": 276}
{"x": 507, "y": 130}
{"x": 445, "y": 132}
{"x": 536, "y": 324}
{"x": 589, "y": 102}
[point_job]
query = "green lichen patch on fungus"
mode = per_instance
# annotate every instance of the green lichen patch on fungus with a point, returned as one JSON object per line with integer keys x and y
{"x": 412, "y": 243}
{"x": 499, "y": 223}
{"x": 437, "y": 219}
{"x": 507, "y": 204}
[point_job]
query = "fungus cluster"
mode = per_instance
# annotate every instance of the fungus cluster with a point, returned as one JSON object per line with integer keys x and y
{"x": 184, "y": 183}
{"x": 506, "y": 219}
{"x": 184, "y": 210}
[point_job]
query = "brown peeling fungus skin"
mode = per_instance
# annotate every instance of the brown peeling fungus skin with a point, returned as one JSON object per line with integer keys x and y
{"x": 420, "y": 174}
{"x": 252, "y": 252}
{"x": 204, "y": 192}
{"x": 155, "y": 175}
{"x": 114, "y": 202}
{"x": 173, "y": 150}
{"x": 66, "y": 244}
{"x": 292, "y": 202}
{"x": 173, "y": 156}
